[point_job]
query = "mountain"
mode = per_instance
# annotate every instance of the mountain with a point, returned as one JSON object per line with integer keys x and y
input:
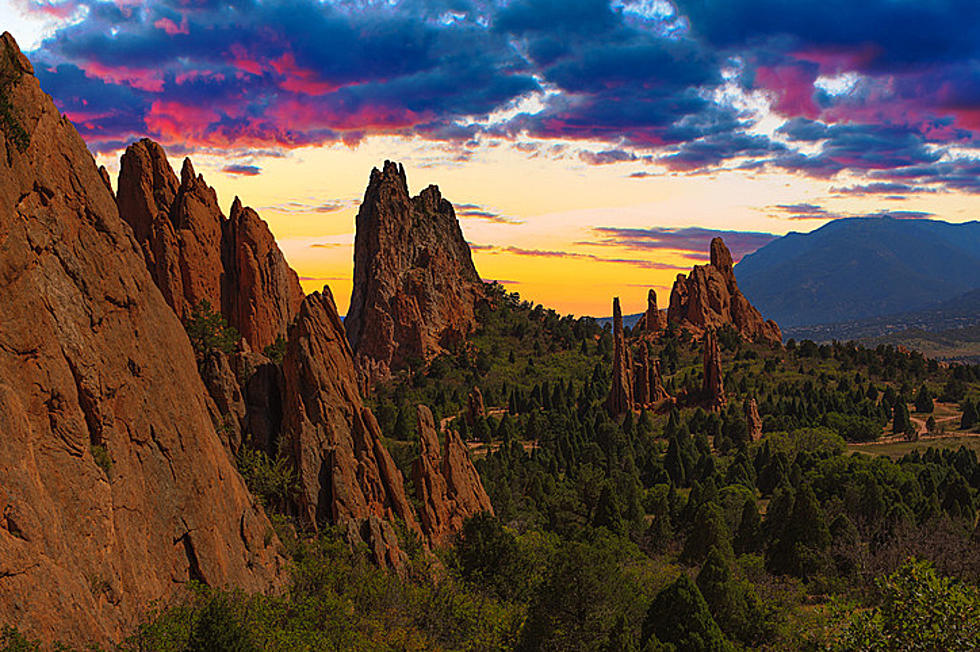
{"x": 857, "y": 268}
{"x": 961, "y": 311}
{"x": 415, "y": 285}
{"x": 115, "y": 488}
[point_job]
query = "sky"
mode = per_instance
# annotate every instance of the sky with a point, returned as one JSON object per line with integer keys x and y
{"x": 592, "y": 148}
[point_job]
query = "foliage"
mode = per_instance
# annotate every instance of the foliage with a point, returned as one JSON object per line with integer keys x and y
{"x": 679, "y": 616}
{"x": 919, "y": 610}
{"x": 100, "y": 453}
{"x": 272, "y": 481}
{"x": 277, "y": 350}
{"x": 209, "y": 330}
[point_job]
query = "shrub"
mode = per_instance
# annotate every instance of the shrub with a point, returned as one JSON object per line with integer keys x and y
{"x": 209, "y": 331}
{"x": 101, "y": 456}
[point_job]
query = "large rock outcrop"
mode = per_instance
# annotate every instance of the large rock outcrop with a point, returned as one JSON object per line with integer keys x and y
{"x": 346, "y": 476}
{"x": 648, "y": 384}
{"x": 446, "y": 483}
{"x": 652, "y": 321}
{"x": 713, "y": 387}
{"x": 415, "y": 286}
{"x": 114, "y": 486}
{"x": 709, "y": 298}
{"x": 195, "y": 253}
{"x": 752, "y": 419}
{"x": 620, "y": 397}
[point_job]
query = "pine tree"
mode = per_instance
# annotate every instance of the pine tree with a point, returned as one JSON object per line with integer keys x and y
{"x": 923, "y": 400}
{"x": 709, "y": 531}
{"x": 901, "y": 422}
{"x": 733, "y": 603}
{"x": 679, "y": 616}
{"x": 969, "y": 418}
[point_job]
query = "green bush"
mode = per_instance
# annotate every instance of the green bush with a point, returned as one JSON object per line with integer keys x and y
{"x": 209, "y": 331}
{"x": 101, "y": 456}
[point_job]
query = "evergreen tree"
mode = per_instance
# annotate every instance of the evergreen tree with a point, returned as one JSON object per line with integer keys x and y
{"x": 969, "y": 418}
{"x": 679, "y": 616}
{"x": 709, "y": 531}
{"x": 733, "y": 603}
{"x": 901, "y": 422}
{"x": 923, "y": 400}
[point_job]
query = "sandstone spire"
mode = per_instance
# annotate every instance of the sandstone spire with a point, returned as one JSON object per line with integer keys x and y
{"x": 620, "y": 397}
{"x": 415, "y": 286}
{"x": 115, "y": 489}
{"x": 709, "y": 298}
{"x": 752, "y": 419}
{"x": 475, "y": 407}
{"x": 648, "y": 384}
{"x": 193, "y": 252}
{"x": 346, "y": 475}
{"x": 653, "y": 321}
{"x": 446, "y": 483}
{"x": 713, "y": 388}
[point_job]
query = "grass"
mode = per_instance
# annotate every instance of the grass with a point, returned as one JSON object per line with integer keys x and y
{"x": 896, "y": 449}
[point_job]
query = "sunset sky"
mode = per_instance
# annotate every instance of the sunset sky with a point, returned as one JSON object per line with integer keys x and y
{"x": 592, "y": 147}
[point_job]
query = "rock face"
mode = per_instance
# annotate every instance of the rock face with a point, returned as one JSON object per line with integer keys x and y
{"x": 620, "y": 397}
{"x": 346, "y": 475}
{"x": 652, "y": 321}
{"x": 475, "y": 409}
{"x": 709, "y": 298}
{"x": 114, "y": 486}
{"x": 648, "y": 385}
{"x": 712, "y": 388}
{"x": 194, "y": 253}
{"x": 753, "y": 420}
{"x": 446, "y": 483}
{"x": 415, "y": 286}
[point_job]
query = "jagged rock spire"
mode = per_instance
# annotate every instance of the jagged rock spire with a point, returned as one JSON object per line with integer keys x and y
{"x": 713, "y": 388}
{"x": 620, "y": 397}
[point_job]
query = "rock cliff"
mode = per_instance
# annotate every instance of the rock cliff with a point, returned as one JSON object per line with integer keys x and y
{"x": 415, "y": 286}
{"x": 446, "y": 483}
{"x": 114, "y": 486}
{"x": 620, "y": 397}
{"x": 194, "y": 252}
{"x": 346, "y": 475}
{"x": 709, "y": 298}
{"x": 712, "y": 387}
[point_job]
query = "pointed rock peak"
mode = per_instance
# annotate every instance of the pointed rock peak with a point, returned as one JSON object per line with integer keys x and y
{"x": 392, "y": 174}
{"x": 12, "y": 58}
{"x": 105, "y": 177}
{"x": 187, "y": 174}
{"x": 721, "y": 257}
{"x": 236, "y": 208}
{"x": 430, "y": 198}
{"x": 617, "y": 315}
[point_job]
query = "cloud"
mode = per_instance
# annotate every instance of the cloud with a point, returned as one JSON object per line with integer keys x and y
{"x": 547, "y": 253}
{"x": 694, "y": 240}
{"x": 477, "y": 212}
{"x": 312, "y": 207}
{"x": 245, "y": 170}
{"x": 868, "y": 87}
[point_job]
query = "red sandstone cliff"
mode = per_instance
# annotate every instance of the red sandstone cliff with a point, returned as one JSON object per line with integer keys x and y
{"x": 194, "y": 252}
{"x": 415, "y": 286}
{"x": 709, "y": 298}
{"x": 114, "y": 486}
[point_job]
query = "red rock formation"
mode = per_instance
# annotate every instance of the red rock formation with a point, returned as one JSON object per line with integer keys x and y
{"x": 620, "y": 397}
{"x": 648, "y": 384}
{"x": 261, "y": 292}
{"x": 713, "y": 388}
{"x": 95, "y": 369}
{"x": 753, "y": 420}
{"x": 652, "y": 321}
{"x": 709, "y": 298}
{"x": 415, "y": 286}
{"x": 446, "y": 483}
{"x": 475, "y": 408}
{"x": 194, "y": 252}
{"x": 345, "y": 473}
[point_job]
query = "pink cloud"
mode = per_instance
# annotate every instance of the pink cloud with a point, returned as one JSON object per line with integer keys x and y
{"x": 172, "y": 28}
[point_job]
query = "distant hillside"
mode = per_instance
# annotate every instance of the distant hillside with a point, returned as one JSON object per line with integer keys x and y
{"x": 959, "y": 312}
{"x": 959, "y": 344}
{"x": 859, "y": 268}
